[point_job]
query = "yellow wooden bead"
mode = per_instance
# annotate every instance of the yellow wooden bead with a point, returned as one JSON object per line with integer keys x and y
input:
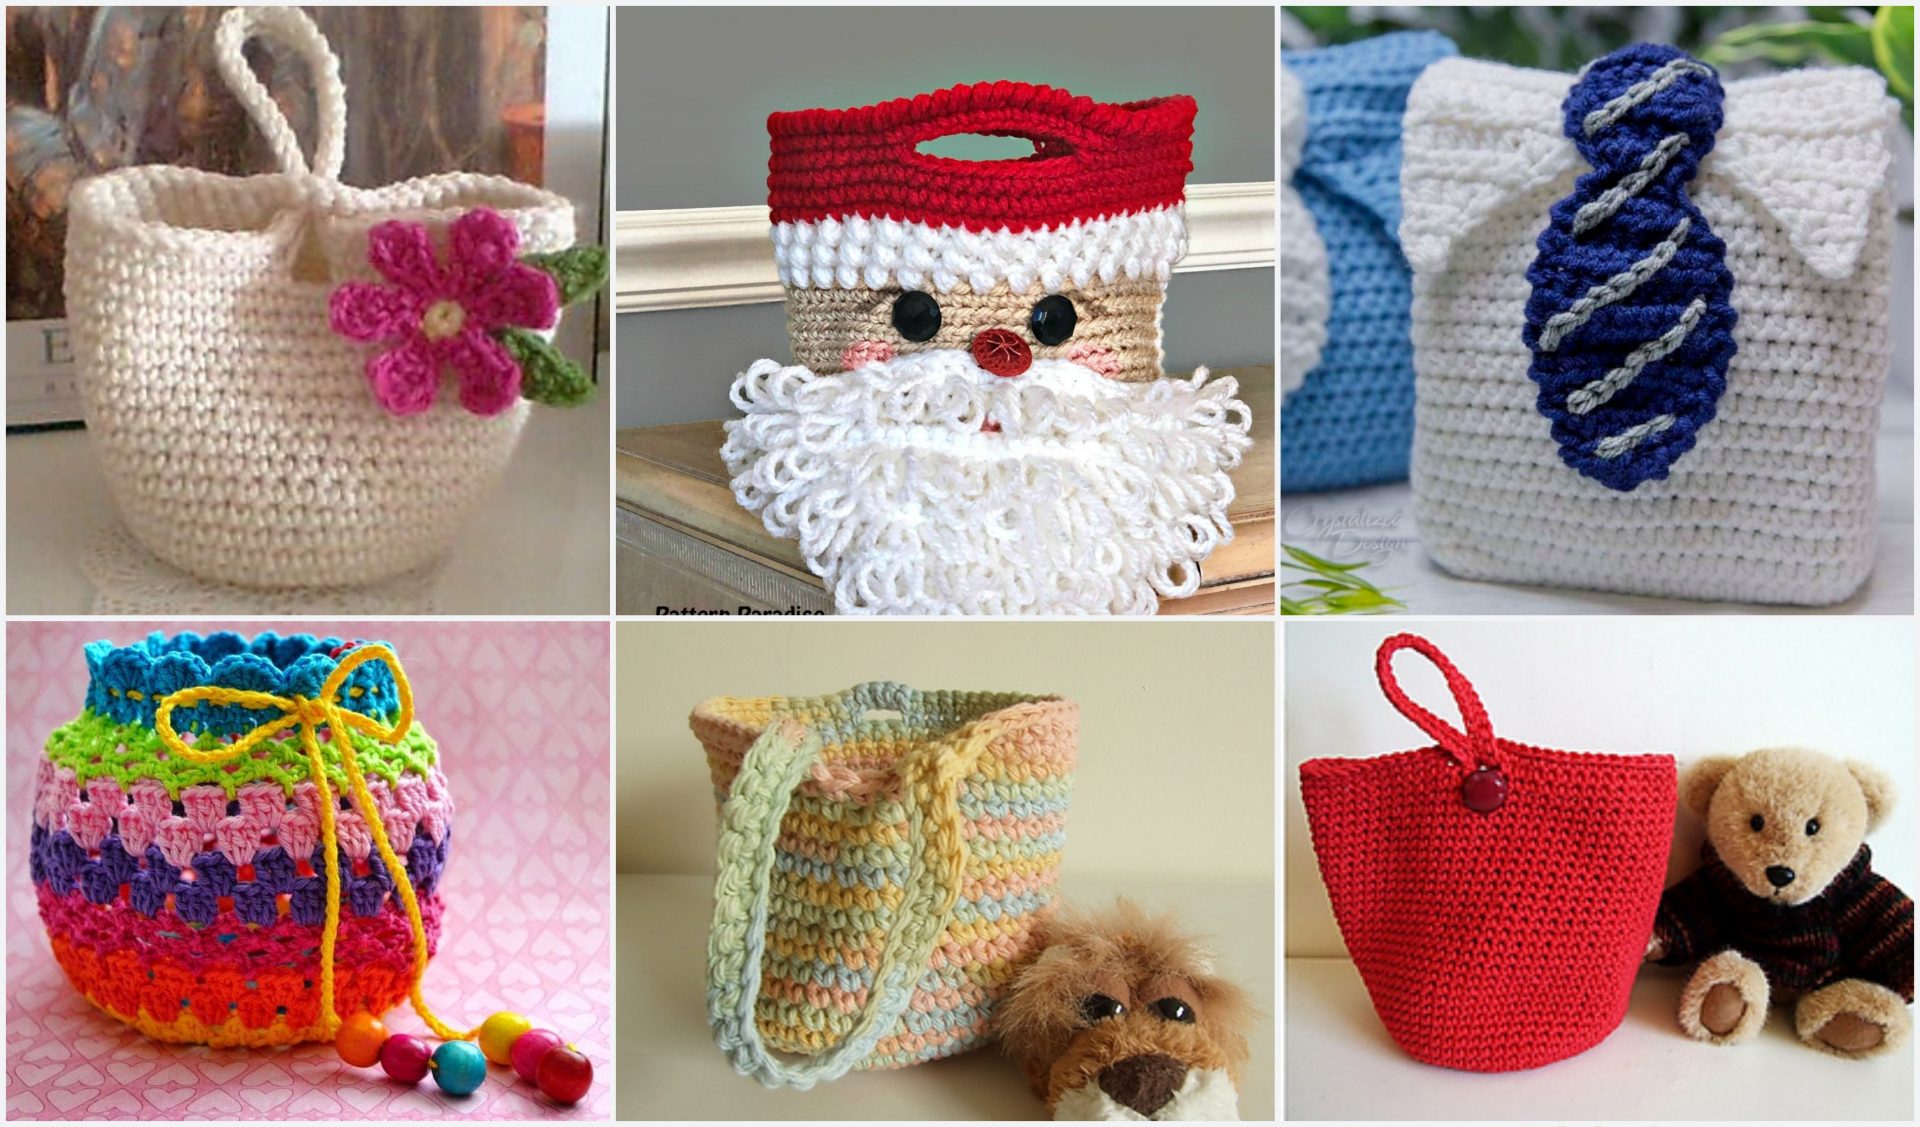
{"x": 499, "y": 1032}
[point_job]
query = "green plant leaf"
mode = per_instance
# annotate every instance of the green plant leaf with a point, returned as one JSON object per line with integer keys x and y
{"x": 579, "y": 271}
{"x": 1328, "y": 587}
{"x": 546, "y": 375}
{"x": 1893, "y": 52}
{"x": 1793, "y": 44}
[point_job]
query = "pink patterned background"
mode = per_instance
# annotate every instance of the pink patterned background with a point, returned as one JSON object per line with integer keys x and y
{"x": 520, "y": 712}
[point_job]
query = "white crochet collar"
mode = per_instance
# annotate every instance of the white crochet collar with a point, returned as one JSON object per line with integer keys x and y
{"x": 1812, "y": 146}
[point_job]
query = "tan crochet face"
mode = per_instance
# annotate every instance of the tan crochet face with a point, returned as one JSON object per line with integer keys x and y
{"x": 1784, "y": 811}
{"x": 1116, "y": 329}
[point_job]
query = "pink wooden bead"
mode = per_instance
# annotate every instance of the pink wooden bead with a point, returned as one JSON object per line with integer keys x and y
{"x": 528, "y": 1048}
{"x": 405, "y": 1058}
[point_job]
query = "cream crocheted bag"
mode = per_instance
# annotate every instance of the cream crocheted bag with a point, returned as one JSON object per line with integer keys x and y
{"x": 232, "y": 416}
{"x": 1772, "y": 500}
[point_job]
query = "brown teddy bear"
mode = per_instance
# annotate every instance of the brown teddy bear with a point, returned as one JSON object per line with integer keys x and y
{"x": 1121, "y": 1017}
{"x": 1786, "y": 907}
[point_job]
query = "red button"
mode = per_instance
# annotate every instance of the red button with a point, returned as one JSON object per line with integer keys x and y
{"x": 1484, "y": 791}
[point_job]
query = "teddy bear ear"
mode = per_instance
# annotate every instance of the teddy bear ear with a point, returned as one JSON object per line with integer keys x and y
{"x": 1701, "y": 779}
{"x": 1876, "y": 787}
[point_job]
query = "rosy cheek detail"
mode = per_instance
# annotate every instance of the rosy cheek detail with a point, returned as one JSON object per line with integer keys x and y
{"x": 1098, "y": 357}
{"x": 863, "y": 352}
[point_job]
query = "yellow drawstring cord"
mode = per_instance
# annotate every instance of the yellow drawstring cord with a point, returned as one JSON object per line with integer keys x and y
{"x": 308, "y": 715}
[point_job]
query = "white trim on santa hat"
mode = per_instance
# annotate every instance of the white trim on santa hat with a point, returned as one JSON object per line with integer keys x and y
{"x": 879, "y": 253}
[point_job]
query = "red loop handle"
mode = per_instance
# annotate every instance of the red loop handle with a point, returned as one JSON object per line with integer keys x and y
{"x": 1471, "y": 749}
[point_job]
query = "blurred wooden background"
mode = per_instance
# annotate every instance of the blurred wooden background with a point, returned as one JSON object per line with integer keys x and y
{"x": 91, "y": 89}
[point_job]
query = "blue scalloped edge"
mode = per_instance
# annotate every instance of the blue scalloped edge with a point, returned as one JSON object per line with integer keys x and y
{"x": 284, "y": 665}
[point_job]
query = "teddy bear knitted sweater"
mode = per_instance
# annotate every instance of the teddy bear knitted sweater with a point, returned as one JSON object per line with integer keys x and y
{"x": 1861, "y": 926}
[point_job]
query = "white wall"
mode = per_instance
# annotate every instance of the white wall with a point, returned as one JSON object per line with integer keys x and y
{"x": 1687, "y": 687}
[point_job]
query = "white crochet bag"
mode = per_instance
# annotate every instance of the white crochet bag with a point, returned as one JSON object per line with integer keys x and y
{"x": 1775, "y": 502}
{"x": 236, "y": 429}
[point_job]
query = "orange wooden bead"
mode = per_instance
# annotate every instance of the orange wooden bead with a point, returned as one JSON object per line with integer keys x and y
{"x": 359, "y": 1040}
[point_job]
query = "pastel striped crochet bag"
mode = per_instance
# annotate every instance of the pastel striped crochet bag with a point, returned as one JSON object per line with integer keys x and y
{"x": 239, "y": 841}
{"x": 260, "y": 358}
{"x": 1349, "y": 420}
{"x": 880, "y": 877}
{"x": 1651, "y": 324}
{"x": 1496, "y": 897}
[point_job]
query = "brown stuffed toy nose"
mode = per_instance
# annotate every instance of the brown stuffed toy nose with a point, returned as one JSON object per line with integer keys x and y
{"x": 1144, "y": 1083}
{"x": 1002, "y": 352}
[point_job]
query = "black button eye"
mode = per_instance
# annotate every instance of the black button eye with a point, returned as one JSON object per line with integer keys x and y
{"x": 1757, "y": 822}
{"x": 1099, "y": 1007}
{"x": 916, "y": 315}
{"x": 1173, "y": 1009}
{"x": 1813, "y": 826}
{"x": 1053, "y": 319}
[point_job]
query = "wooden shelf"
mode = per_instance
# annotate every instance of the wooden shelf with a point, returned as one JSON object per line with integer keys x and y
{"x": 680, "y": 525}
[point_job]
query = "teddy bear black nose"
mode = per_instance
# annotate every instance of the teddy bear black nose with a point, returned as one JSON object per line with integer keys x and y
{"x": 1144, "y": 1083}
{"x": 1779, "y": 876}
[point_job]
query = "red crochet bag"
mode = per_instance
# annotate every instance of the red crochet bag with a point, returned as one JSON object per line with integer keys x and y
{"x": 1496, "y": 897}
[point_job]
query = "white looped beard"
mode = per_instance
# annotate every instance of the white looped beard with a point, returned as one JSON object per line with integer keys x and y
{"x": 1094, "y": 497}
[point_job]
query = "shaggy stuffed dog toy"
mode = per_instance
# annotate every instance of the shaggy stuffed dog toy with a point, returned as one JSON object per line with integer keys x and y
{"x": 1122, "y": 1018}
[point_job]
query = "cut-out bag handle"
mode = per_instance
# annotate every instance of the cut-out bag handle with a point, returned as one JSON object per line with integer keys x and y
{"x": 770, "y": 772}
{"x": 291, "y": 28}
{"x": 1471, "y": 749}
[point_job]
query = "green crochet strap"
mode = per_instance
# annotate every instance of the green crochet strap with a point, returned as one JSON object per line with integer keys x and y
{"x": 770, "y": 772}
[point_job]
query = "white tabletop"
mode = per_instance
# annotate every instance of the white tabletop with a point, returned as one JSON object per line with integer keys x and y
{"x": 669, "y": 1068}
{"x": 540, "y": 546}
{"x": 1342, "y": 1065}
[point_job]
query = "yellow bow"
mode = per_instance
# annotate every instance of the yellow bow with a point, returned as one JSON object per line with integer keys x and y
{"x": 308, "y": 715}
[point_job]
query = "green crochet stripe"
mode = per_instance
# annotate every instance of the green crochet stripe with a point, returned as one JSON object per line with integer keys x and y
{"x": 95, "y": 746}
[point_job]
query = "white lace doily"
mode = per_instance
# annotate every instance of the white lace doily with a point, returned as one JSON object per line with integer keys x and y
{"x": 129, "y": 579}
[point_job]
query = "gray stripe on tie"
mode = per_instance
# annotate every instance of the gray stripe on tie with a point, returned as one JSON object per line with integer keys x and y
{"x": 1630, "y": 185}
{"x": 1613, "y": 289}
{"x": 1585, "y": 399}
{"x": 1640, "y": 91}
{"x": 1615, "y": 445}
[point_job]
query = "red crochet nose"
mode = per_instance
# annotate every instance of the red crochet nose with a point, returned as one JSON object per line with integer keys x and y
{"x": 1001, "y": 352}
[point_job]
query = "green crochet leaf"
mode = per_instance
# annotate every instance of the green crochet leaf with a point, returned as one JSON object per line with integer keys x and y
{"x": 546, "y": 375}
{"x": 578, "y": 271}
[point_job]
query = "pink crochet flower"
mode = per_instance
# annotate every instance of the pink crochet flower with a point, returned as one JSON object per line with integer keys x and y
{"x": 443, "y": 316}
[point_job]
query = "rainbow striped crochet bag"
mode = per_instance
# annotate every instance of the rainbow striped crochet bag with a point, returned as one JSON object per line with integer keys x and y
{"x": 239, "y": 841}
{"x": 880, "y": 878}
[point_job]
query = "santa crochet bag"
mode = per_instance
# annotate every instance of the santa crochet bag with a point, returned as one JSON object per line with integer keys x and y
{"x": 880, "y": 877}
{"x": 1348, "y": 418}
{"x": 1651, "y": 324}
{"x": 239, "y": 841}
{"x": 260, "y": 357}
{"x": 977, "y": 421}
{"x": 1496, "y": 897}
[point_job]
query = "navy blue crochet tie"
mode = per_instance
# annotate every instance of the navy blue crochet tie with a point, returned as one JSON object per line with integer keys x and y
{"x": 1629, "y": 321}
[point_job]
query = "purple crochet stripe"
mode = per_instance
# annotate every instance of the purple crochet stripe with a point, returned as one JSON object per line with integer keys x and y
{"x": 61, "y": 863}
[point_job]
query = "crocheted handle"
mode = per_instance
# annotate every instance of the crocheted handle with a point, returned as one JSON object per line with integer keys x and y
{"x": 1470, "y": 749}
{"x": 770, "y": 773}
{"x": 291, "y": 28}
{"x": 1055, "y": 138}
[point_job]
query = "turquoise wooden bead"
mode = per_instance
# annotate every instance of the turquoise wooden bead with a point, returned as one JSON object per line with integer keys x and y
{"x": 459, "y": 1067}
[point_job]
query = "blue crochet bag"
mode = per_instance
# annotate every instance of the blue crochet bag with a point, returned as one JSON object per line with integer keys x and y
{"x": 1351, "y": 422}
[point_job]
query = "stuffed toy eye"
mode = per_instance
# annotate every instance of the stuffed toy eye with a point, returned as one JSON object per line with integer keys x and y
{"x": 1053, "y": 319}
{"x": 1813, "y": 826}
{"x": 916, "y": 315}
{"x": 1099, "y": 1007}
{"x": 1173, "y": 1009}
{"x": 1757, "y": 822}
